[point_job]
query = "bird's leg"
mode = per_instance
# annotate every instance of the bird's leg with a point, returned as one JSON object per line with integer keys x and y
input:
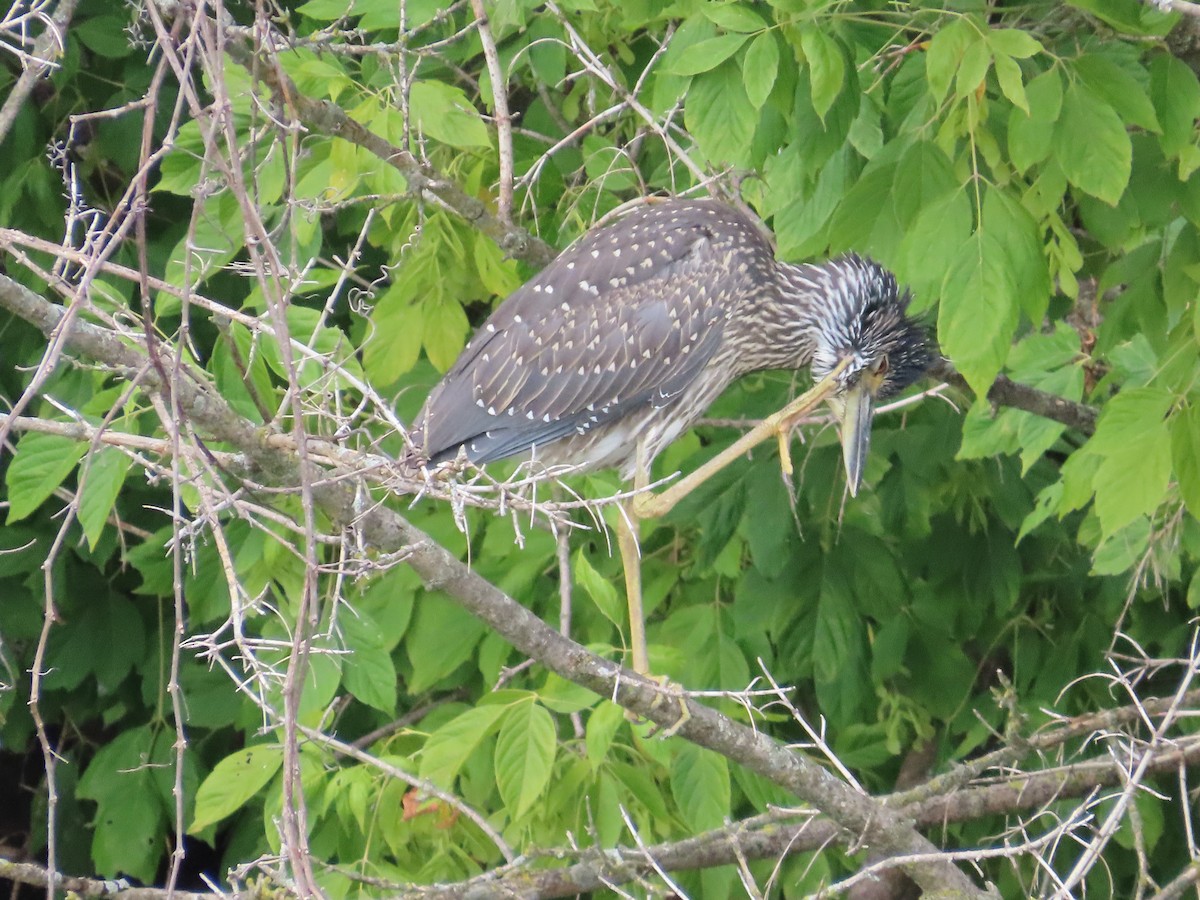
{"x": 778, "y": 425}
{"x": 631, "y": 562}
{"x": 628, "y": 521}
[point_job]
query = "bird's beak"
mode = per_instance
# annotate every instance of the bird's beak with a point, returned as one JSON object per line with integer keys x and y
{"x": 854, "y": 410}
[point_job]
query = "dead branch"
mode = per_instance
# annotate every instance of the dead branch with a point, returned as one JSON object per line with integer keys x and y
{"x": 385, "y": 530}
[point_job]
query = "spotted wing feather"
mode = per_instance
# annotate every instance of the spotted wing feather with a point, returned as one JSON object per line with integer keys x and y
{"x": 622, "y": 319}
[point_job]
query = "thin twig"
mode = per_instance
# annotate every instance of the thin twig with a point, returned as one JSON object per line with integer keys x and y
{"x": 504, "y": 191}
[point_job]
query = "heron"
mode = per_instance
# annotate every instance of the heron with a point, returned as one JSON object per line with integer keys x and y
{"x": 620, "y": 344}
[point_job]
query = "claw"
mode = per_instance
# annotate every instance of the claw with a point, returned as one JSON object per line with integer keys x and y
{"x": 664, "y": 688}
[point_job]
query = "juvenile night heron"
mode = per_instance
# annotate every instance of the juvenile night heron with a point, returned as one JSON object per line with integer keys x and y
{"x": 621, "y": 343}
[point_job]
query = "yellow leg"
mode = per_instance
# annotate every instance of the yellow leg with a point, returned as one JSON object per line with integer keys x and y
{"x": 628, "y": 521}
{"x": 646, "y": 505}
{"x": 631, "y": 562}
{"x": 777, "y": 425}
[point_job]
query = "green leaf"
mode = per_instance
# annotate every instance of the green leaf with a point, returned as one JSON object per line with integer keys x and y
{"x": 602, "y": 726}
{"x": 816, "y": 140}
{"x": 106, "y": 777}
{"x": 369, "y": 673}
{"x": 1021, "y": 238}
{"x": 105, "y": 35}
{"x": 866, "y": 133}
{"x": 759, "y": 68}
{"x": 320, "y": 76}
{"x": 445, "y": 330}
{"x": 701, "y": 788}
{"x": 931, "y": 244}
{"x": 41, "y": 463}
{"x": 827, "y": 68}
{"x": 838, "y": 647}
{"x": 23, "y": 550}
{"x": 443, "y": 112}
{"x": 547, "y": 51}
{"x": 1121, "y": 552}
{"x": 399, "y": 333}
{"x": 941, "y": 673}
{"x": 233, "y": 782}
{"x": 130, "y": 814}
{"x": 668, "y": 87}
{"x": 1129, "y": 16}
{"x": 1175, "y": 90}
{"x": 944, "y": 55}
{"x": 1185, "y": 454}
{"x": 735, "y": 17}
{"x": 1181, "y": 272}
{"x": 214, "y": 238}
{"x": 767, "y": 496}
{"x": 927, "y": 177}
{"x": 1030, "y": 134}
{"x": 1008, "y": 74}
{"x": 442, "y": 637}
{"x": 720, "y": 116}
{"x": 105, "y": 639}
{"x": 1048, "y": 501}
{"x": 1129, "y": 96}
{"x": 449, "y": 748}
{"x": 1128, "y": 415}
{"x": 600, "y": 589}
{"x": 798, "y": 225}
{"x": 972, "y": 69}
{"x": 524, "y": 756}
{"x": 562, "y": 696}
{"x": 707, "y": 54}
{"x": 866, "y": 208}
{"x": 1100, "y": 163}
{"x": 103, "y": 477}
{"x": 888, "y": 648}
{"x": 1014, "y": 42}
{"x": 1133, "y": 437}
{"x": 980, "y": 302}
{"x": 988, "y": 432}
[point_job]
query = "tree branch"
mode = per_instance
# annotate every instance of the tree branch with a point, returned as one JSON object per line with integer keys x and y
{"x": 38, "y": 64}
{"x": 768, "y": 836}
{"x": 504, "y": 200}
{"x": 1006, "y": 392}
{"x": 859, "y": 817}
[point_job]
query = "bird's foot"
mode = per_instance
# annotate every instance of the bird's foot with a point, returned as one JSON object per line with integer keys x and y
{"x": 785, "y": 453}
{"x": 664, "y": 689}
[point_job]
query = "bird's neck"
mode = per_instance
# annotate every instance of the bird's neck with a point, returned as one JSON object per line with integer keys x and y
{"x": 791, "y": 322}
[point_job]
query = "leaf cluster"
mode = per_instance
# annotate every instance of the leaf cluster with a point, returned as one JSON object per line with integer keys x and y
{"x": 1032, "y": 175}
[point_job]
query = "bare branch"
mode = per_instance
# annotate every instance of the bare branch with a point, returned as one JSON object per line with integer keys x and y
{"x": 1006, "y": 392}
{"x": 504, "y": 200}
{"x": 40, "y": 61}
{"x": 389, "y": 532}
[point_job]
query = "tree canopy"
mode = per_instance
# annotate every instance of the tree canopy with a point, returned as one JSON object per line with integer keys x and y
{"x": 241, "y": 649}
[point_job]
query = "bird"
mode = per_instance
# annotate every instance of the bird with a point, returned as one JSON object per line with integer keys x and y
{"x": 613, "y": 350}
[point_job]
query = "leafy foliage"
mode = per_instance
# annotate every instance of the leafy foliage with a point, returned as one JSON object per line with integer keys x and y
{"x": 1032, "y": 173}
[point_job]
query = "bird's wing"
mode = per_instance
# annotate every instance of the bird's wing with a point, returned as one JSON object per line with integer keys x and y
{"x": 624, "y": 318}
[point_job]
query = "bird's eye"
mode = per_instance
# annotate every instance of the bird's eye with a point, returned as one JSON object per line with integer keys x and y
{"x": 881, "y": 367}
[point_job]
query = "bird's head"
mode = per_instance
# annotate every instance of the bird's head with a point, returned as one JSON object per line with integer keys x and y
{"x": 861, "y": 317}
